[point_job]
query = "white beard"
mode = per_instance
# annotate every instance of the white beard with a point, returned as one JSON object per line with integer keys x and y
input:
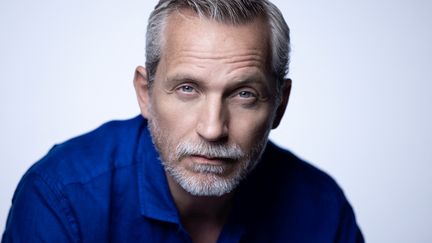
{"x": 205, "y": 179}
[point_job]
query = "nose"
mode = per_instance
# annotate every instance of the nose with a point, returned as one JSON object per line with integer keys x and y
{"x": 213, "y": 121}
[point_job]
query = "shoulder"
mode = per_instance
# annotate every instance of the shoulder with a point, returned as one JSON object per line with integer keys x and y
{"x": 294, "y": 200}
{"x": 69, "y": 190}
{"x": 284, "y": 174}
{"x": 82, "y": 158}
{"x": 289, "y": 200}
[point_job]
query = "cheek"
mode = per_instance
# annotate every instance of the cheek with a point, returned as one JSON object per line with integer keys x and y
{"x": 172, "y": 116}
{"x": 247, "y": 128}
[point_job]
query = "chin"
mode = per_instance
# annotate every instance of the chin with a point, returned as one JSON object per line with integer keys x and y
{"x": 208, "y": 181}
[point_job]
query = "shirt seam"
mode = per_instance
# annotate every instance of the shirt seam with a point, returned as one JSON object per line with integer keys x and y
{"x": 56, "y": 188}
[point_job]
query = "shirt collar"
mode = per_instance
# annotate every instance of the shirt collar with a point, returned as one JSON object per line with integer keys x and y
{"x": 155, "y": 198}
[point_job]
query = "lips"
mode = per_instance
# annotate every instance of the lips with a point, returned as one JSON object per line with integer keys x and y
{"x": 202, "y": 159}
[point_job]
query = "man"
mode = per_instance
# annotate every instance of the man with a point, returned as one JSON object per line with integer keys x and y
{"x": 213, "y": 87}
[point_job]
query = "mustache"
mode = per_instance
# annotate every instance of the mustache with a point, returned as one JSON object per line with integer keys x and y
{"x": 225, "y": 151}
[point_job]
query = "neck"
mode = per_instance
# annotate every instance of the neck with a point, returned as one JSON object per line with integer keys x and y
{"x": 202, "y": 217}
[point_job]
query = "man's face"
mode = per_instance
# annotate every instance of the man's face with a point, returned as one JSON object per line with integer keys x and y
{"x": 212, "y": 103}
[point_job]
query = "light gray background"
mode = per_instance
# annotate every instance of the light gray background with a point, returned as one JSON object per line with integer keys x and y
{"x": 360, "y": 107}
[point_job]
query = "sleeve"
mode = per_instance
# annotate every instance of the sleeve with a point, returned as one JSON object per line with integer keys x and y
{"x": 39, "y": 213}
{"x": 348, "y": 230}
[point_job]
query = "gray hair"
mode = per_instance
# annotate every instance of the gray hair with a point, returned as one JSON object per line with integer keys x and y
{"x": 234, "y": 12}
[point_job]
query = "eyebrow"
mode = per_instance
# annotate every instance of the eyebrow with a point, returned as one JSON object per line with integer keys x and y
{"x": 251, "y": 80}
{"x": 182, "y": 77}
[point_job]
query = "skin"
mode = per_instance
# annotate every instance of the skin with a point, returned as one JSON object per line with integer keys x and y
{"x": 212, "y": 84}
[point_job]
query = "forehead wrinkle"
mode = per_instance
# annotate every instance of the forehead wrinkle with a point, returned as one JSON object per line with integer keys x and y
{"x": 199, "y": 59}
{"x": 249, "y": 62}
{"x": 231, "y": 56}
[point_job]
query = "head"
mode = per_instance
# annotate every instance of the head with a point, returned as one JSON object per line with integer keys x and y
{"x": 230, "y": 12}
{"x": 213, "y": 87}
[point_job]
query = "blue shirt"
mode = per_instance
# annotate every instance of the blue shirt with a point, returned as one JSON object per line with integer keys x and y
{"x": 109, "y": 186}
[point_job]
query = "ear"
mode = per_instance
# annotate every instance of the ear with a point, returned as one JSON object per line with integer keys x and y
{"x": 142, "y": 90}
{"x": 286, "y": 90}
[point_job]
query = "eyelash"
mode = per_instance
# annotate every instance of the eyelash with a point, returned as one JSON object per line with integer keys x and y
{"x": 249, "y": 94}
{"x": 186, "y": 91}
{"x": 184, "y": 87}
{"x": 241, "y": 95}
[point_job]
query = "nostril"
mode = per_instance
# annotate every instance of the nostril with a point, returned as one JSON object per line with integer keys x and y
{"x": 212, "y": 131}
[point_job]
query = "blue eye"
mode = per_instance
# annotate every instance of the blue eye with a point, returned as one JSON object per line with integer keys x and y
{"x": 246, "y": 94}
{"x": 187, "y": 89}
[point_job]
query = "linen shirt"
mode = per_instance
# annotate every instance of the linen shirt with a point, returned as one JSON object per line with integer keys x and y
{"x": 109, "y": 186}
